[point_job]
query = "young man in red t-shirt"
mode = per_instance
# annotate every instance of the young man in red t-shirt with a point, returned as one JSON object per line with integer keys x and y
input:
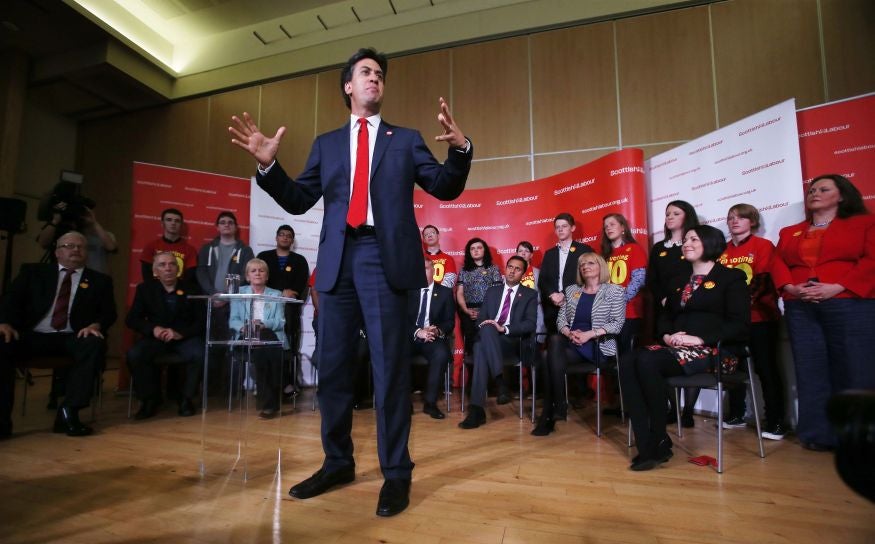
{"x": 445, "y": 271}
{"x": 171, "y": 240}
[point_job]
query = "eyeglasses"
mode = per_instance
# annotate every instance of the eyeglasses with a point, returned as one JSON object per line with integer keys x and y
{"x": 226, "y": 222}
{"x": 284, "y": 235}
{"x": 71, "y": 246}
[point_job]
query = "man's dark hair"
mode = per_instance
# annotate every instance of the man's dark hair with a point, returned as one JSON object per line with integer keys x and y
{"x": 566, "y": 216}
{"x": 174, "y": 211}
{"x": 522, "y": 261}
{"x": 346, "y": 72}
{"x": 713, "y": 241}
{"x": 469, "y": 263}
{"x": 690, "y": 217}
{"x": 429, "y": 227}
{"x": 851, "y": 202}
{"x": 286, "y": 227}
{"x": 226, "y": 214}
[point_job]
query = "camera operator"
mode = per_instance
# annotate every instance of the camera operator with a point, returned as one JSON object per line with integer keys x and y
{"x": 65, "y": 210}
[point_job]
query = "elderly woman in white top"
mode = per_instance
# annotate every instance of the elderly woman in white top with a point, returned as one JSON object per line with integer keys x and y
{"x": 593, "y": 308}
{"x": 268, "y": 319}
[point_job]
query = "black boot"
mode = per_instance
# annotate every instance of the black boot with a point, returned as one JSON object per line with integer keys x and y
{"x": 545, "y": 426}
{"x": 148, "y": 408}
{"x": 67, "y": 421}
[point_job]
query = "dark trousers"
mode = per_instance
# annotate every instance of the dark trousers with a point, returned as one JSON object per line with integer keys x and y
{"x": 268, "y": 362}
{"x": 763, "y": 343}
{"x": 469, "y": 329}
{"x": 437, "y": 354}
{"x": 490, "y": 349}
{"x": 551, "y": 314}
{"x": 362, "y": 294}
{"x": 560, "y": 354}
{"x": 631, "y": 329}
{"x": 832, "y": 351}
{"x": 642, "y": 375}
{"x": 147, "y": 375}
{"x": 88, "y": 359}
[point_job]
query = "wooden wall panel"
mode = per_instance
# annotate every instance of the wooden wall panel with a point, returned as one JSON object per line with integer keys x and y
{"x": 849, "y": 40}
{"x": 331, "y": 111}
{"x": 765, "y": 53}
{"x": 175, "y": 135}
{"x": 574, "y": 98}
{"x": 413, "y": 86}
{"x": 222, "y": 156}
{"x": 498, "y": 172}
{"x": 665, "y": 76}
{"x": 290, "y": 103}
{"x": 491, "y": 95}
{"x": 548, "y": 165}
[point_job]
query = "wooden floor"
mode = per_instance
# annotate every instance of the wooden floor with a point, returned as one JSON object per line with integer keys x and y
{"x": 142, "y": 482}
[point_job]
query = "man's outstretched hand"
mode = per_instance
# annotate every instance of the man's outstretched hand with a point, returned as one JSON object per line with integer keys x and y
{"x": 452, "y": 133}
{"x": 245, "y": 134}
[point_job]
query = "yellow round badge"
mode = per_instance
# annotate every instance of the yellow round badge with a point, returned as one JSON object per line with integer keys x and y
{"x": 83, "y": 285}
{"x": 709, "y": 285}
{"x": 663, "y": 253}
{"x": 288, "y": 268}
{"x": 180, "y": 292}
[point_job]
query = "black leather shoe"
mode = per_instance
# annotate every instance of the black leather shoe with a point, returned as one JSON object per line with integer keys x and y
{"x": 687, "y": 421}
{"x": 148, "y": 408}
{"x": 186, "y": 408}
{"x": 321, "y": 481}
{"x": 644, "y": 464}
{"x": 394, "y": 497}
{"x": 816, "y": 446}
{"x": 67, "y": 421}
{"x": 475, "y": 418}
{"x": 503, "y": 398}
{"x": 433, "y": 411}
{"x": 544, "y": 427}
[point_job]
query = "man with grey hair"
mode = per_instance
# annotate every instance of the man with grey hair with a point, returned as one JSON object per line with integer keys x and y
{"x": 57, "y": 309}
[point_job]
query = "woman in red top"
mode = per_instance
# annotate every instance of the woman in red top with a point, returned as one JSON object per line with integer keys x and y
{"x": 628, "y": 267}
{"x": 753, "y": 256}
{"x": 827, "y": 272}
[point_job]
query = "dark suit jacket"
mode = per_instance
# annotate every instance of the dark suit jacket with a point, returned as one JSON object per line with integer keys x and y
{"x": 31, "y": 295}
{"x": 718, "y": 310}
{"x": 441, "y": 313}
{"x": 523, "y": 309}
{"x": 548, "y": 280}
{"x": 293, "y": 276}
{"x": 150, "y": 310}
{"x": 400, "y": 159}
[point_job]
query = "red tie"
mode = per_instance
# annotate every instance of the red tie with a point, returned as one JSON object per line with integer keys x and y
{"x": 358, "y": 203}
{"x": 505, "y": 308}
{"x": 59, "y": 314}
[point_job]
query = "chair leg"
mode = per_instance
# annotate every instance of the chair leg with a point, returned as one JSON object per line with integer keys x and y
{"x": 677, "y": 409}
{"x": 464, "y": 378}
{"x": 598, "y": 402}
{"x": 567, "y": 404}
{"x": 719, "y": 427}
{"x": 756, "y": 410}
{"x": 620, "y": 389}
{"x": 130, "y": 394}
{"x": 534, "y": 391}
{"x": 522, "y": 399}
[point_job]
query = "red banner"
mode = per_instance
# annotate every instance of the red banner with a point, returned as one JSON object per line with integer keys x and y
{"x": 504, "y": 216}
{"x": 839, "y": 138}
{"x": 200, "y": 196}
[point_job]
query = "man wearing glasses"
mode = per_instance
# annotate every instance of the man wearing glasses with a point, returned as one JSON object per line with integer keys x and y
{"x": 57, "y": 309}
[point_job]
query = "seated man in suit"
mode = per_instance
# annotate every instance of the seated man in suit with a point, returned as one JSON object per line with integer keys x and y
{"x": 169, "y": 323}
{"x": 509, "y": 313}
{"x": 432, "y": 316}
{"x": 57, "y": 309}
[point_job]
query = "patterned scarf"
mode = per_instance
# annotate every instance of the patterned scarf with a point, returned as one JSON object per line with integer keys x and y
{"x": 694, "y": 283}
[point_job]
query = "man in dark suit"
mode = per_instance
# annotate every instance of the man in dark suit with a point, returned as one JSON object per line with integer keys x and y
{"x": 57, "y": 309}
{"x": 169, "y": 323}
{"x": 431, "y": 313}
{"x": 369, "y": 257}
{"x": 559, "y": 269}
{"x": 509, "y": 314}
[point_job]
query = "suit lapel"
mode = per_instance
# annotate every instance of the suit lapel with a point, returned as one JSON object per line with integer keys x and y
{"x": 343, "y": 136}
{"x": 384, "y": 136}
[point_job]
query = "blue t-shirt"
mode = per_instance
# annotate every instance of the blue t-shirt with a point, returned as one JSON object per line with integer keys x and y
{"x": 583, "y": 322}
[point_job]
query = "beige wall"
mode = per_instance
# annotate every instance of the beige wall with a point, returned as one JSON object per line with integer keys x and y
{"x": 534, "y": 105}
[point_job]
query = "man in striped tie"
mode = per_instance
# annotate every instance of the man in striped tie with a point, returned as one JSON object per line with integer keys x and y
{"x": 507, "y": 321}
